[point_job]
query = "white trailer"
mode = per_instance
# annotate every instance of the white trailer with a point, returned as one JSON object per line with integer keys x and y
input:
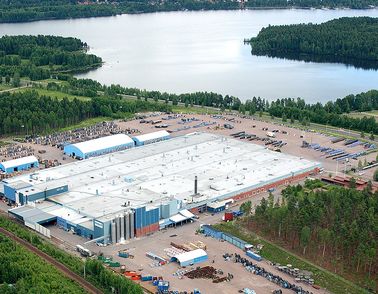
{"x": 270, "y": 134}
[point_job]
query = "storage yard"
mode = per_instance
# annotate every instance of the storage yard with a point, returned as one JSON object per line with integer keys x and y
{"x": 218, "y": 267}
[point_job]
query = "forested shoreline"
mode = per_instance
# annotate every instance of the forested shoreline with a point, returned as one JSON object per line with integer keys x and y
{"x": 52, "y": 58}
{"x": 348, "y": 40}
{"x": 33, "y": 10}
{"x": 334, "y": 226}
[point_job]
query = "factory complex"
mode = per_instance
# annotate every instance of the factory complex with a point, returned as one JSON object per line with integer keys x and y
{"x": 160, "y": 182}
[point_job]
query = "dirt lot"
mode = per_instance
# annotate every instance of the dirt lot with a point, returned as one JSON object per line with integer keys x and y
{"x": 157, "y": 242}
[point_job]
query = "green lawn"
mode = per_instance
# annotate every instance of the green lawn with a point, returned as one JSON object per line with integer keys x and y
{"x": 3, "y": 143}
{"x": 57, "y": 94}
{"x": 54, "y": 81}
{"x": 86, "y": 123}
{"x": 5, "y": 87}
{"x": 373, "y": 113}
{"x": 197, "y": 110}
{"x": 277, "y": 254}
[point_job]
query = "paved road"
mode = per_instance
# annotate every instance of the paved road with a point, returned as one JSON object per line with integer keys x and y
{"x": 14, "y": 89}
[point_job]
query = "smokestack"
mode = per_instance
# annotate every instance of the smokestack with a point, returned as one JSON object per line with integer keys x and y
{"x": 195, "y": 186}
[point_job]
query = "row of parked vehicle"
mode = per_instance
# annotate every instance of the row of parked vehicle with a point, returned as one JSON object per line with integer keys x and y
{"x": 268, "y": 141}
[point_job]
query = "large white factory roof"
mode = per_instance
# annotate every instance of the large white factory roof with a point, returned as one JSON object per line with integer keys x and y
{"x": 19, "y": 161}
{"x": 103, "y": 143}
{"x": 151, "y": 174}
{"x": 152, "y": 136}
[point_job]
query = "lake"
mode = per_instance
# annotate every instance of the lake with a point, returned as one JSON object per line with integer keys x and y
{"x": 203, "y": 51}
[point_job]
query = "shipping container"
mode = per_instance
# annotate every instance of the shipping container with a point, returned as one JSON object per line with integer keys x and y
{"x": 228, "y": 216}
{"x": 253, "y": 255}
{"x": 123, "y": 254}
{"x": 146, "y": 278}
{"x": 163, "y": 285}
{"x": 114, "y": 264}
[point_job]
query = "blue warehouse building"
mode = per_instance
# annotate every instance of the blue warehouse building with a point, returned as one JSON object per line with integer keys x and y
{"x": 99, "y": 146}
{"x": 151, "y": 138}
{"x": 19, "y": 164}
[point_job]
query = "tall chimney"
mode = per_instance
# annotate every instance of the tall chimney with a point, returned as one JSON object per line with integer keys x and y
{"x": 195, "y": 186}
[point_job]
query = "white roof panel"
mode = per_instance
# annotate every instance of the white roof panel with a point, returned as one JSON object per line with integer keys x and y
{"x": 177, "y": 218}
{"x": 186, "y": 213}
{"x": 103, "y": 143}
{"x": 187, "y": 256}
{"x": 152, "y": 136}
{"x": 19, "y": 161}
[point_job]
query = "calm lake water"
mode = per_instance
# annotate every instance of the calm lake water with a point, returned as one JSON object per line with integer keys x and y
{"x": 203, "y": 51}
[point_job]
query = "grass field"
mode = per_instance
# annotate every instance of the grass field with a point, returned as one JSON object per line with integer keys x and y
{"x": 277, "y": 254}
{"x": 2, "y": 144}
{"x": 86, "y": 123}
{"x": 373, "y": 113}
{"x": 56, "y": 94}
{"x": 5, "y": 87}
{"x": 196, "y": 110}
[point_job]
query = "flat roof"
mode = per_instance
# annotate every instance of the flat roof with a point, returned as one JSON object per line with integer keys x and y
{"x": 19, "y": 161}
{"x": 156, "y": 173}
{"x": 152, "y": 136}
{"x": 31, "y": 214}
{"x": 103, "y": 143}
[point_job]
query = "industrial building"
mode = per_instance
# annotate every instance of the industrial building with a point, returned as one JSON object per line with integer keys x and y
{"x": 151, "y": 138}
{"x": 191, "y": 257}
{"x": 218, "y": 206}
{"x": 19, "y": 164}
{"x": 100, "y": 146}
{"x": 137, "y": 191}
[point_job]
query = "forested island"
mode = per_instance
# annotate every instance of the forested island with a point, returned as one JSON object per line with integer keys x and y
{"x": 349, "y": 40}
{"x": 38, "y": 57}
{"x": 32, "y": 10}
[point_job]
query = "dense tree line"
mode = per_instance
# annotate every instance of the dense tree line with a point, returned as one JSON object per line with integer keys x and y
{"x": 333, "y": 224}
{"x": 23, "y": 272}
{"x": 351, "y": 40}
{"x": 332, "y": 113}
{"x": 30, "y": 113}
{"x": 32, "y": 10}
{"x": 102, "y": 278}
{"x": 37, "y": 57}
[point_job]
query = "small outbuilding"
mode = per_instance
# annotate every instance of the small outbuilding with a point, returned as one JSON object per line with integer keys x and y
{"x": 19, "y": 164}
{"x": 218, "y": 206}
{"x": 191, "y": 257}
{"x": 99, "y": 146}
{"x": 151, "y": 138}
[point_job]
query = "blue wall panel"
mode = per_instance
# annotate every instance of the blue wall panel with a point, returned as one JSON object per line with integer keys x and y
{"x": 10, "y": 193}
{"x": 61, "y": 222}
{"x": 72, "y": 150}
{"x": 20, "y": 167}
